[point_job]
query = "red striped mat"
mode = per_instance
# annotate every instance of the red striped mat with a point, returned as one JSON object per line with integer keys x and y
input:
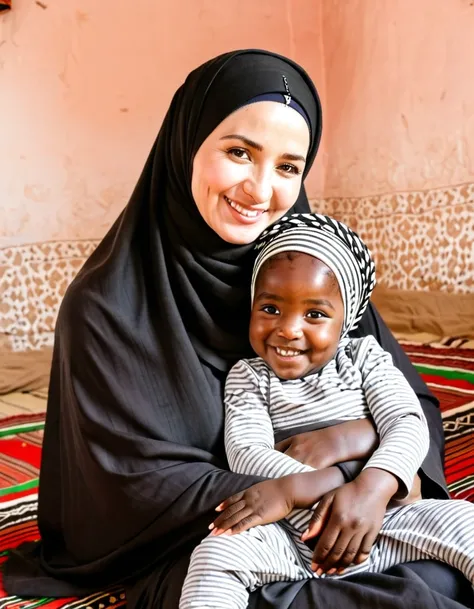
{"x": 449, "y": 373}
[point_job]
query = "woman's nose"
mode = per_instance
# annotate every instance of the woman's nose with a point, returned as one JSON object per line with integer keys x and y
{"x": 259, "y": 187}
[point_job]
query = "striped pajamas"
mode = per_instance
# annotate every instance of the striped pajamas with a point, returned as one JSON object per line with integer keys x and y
{"x": 360, "y": 381}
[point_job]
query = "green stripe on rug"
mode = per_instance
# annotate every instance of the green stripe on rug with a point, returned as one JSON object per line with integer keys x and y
{"x": 32, "y": 603}
{"x": 446, "y": 373}
{"x": 17, "y": 488}
{"x": 460, "y": 485}
{"x": 11, "y": 431}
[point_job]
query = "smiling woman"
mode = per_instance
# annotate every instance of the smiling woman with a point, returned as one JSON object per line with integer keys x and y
{"x": 241, "y": 185}
{"x": 133, "y": 458}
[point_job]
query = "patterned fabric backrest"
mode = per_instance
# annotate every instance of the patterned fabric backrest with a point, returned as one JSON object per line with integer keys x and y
{"x": 33, "y": 280}
{"x": 421, "y": 240}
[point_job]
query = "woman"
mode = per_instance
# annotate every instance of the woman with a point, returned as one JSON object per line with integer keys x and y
{"x": 133, "y": 461}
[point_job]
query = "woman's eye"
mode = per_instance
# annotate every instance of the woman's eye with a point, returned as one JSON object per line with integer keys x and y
{"x": 240, "y": 153}
{"x": 289, "y": 168}
{"x": 270, "y": 309}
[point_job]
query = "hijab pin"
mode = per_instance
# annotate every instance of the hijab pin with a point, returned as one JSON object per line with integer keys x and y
{"x": 287, "y": 89}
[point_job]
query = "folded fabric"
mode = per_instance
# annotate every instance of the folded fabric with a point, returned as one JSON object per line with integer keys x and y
{"x": 24, "y": 370}
{"x": 437, "y": 314}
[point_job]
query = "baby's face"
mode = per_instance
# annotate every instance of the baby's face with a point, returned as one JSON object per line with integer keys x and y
{"x": 297, "y": 315}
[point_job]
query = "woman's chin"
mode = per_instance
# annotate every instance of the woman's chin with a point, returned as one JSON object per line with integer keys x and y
{"x": 240, "y": 234}
{"x": 233, "y": 230}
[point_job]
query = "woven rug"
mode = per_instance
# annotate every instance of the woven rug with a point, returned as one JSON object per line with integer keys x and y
{"x": 448, "y": 371}
{"x": 21, "y": 433}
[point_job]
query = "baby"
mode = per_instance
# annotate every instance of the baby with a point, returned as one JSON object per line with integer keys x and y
{"x": 311, "y": 284}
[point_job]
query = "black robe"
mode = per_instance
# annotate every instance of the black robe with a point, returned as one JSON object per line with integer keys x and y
{"x": 133, "y": 458}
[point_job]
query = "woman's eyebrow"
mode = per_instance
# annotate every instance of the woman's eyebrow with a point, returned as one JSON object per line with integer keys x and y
{"x": 293, "y": 157}
{"x": 245, "y": 140}
{"x": 251, "y": 144}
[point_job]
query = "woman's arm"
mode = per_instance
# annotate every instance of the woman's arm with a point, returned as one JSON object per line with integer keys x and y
{"x": 335, "y": 443}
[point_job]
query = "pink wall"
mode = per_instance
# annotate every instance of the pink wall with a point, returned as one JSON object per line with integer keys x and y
{"x": 400, "y": 91}
{"x": 399, "y": 147}
{"x": 84, "y": 85}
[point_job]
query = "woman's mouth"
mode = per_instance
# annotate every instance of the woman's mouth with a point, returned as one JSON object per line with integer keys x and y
{"x": 244, "y": 213}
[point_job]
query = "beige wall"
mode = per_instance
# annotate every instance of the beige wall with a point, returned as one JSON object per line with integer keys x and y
{"x": 84, "y": 85}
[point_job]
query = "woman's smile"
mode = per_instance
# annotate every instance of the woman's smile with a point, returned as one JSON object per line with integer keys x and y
{"x": 244, "y": 214}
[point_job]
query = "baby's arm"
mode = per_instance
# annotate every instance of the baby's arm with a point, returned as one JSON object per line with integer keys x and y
{"x": 249, "y": 444}
{"x": 249, "y": 437}
{"x": 348, "y": 519}
{"x": 397, "y": 413}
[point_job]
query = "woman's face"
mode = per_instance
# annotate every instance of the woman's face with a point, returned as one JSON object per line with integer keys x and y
{"x": 247, "y": 173}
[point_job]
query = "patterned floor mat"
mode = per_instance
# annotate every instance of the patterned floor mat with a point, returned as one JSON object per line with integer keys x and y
{"x": 450, "y": 375}
{"x": 448, "y": 371}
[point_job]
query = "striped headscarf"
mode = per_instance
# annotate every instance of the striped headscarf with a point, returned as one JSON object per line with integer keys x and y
{"x": 332, "y": 242}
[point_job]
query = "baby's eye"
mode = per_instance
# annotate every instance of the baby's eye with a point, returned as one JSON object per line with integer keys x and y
{"x": 240, "y": 153}
{"x": 270, "y": 309}
{"x": 289, "y": 168}
{"x": 315, "y": 315}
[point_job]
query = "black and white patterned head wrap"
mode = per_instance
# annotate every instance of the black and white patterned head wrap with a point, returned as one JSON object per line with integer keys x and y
{"x": 332, "y": 242}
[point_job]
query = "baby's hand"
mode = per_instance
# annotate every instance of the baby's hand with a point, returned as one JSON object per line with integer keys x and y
{"x": 263, "y": 503}
{"x": 414, "y": 495}
{"x": 348, "y": 521}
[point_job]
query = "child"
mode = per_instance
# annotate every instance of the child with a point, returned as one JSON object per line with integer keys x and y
{"x": 311, "y": 283}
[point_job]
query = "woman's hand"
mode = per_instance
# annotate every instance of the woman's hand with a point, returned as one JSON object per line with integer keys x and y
{"x": 325, "y": 447}
{"x": 349, "y": 519}
{"x": 262, "y": 503}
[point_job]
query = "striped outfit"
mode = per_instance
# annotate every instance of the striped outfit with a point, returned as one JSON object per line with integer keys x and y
{"x": 360, "y": 381}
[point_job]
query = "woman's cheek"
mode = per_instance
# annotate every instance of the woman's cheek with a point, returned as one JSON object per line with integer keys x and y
{"x": 229, "y": 174}
{"x": 216, "y": 177}
{"x": 288, "y": 193}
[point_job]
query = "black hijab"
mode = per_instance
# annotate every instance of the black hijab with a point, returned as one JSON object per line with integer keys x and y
{"x": 133, "y": 461}
{"x": 206, "y": 277}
